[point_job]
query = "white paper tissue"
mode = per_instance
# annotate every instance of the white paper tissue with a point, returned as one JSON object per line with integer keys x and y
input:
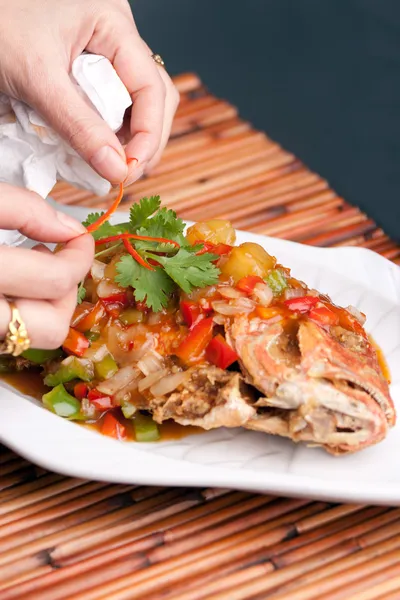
{"x": 33, "y": 156}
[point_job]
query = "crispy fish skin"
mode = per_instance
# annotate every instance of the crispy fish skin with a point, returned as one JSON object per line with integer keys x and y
{"x": 210, "y": 398}
{"x": 322, "y": 388}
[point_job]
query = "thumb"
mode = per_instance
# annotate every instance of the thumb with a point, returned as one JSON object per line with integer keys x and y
{"x": 32, "y": 216}
{"x": 58, "y": 101}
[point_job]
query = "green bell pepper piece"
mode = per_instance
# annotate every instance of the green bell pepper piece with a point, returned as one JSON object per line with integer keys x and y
{"x": 146, "y": 430}
{"x": 130, "y": 316}
{"x": 71, "y": 368}
{"x": 61, "y": 403}
{"x": 106, "y": 368}
{"x": 128, "y": 409}
{"x": 41, "y": 356}
{"x": 276, "y": 281}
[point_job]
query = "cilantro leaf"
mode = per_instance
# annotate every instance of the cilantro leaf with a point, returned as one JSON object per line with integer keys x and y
{"x": 153, "y": 287}
{"x": 106, "y": 229}
{"x": 164, "y": 224}
{"x": 189, "y": 270}
{"x": 81, "y": 293}
{"x": 141, "y": 211}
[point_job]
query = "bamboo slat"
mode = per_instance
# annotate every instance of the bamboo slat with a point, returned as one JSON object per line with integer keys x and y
{"x": 68, "y": 539}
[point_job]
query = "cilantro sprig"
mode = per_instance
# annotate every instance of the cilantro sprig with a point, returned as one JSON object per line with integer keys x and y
{"x": 174, "y": 266}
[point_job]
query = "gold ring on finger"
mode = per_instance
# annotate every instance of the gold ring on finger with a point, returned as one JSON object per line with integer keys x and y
{"x": 157, "y": 59}
{"x": 17, "y": 339}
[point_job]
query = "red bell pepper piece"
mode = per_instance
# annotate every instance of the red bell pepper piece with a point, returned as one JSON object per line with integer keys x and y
{"x": 76, "y": 343}
{"x": 113, "y": 428}
{"x": 191, "y": 312}
{"x": 247, "y": 284}
{"x": 219, "y": 353}
{"x": 81, "y": 390}
{"x": 324, "y": 316}
{"x": 115, "y": 303}
{"x": 194, "y": 344}
{"x": 118, "y": 298}
{"x": 302, "y": 305}
{"x": 91, "y": 319}
{"x": 99, "y": 400}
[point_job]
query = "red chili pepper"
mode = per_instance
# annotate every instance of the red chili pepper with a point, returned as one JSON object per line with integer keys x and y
{"x": 303, "y": 304}
{"x": 191, "y": 312}
{"x": 125, "y": 237}
{"x": 219, "y": 249}
{"x": 94, "y": 226}
{"x": 324, "y": 316}
{"x": 75, "y": 343}
{"x": 248, "y": 283}
{"x": 113, "y": 428}
{"x": 135, "y": 254}
{"x": 219, "y": 353}
{"x": 81, "y": 390}
{"x": 194, "y": 344}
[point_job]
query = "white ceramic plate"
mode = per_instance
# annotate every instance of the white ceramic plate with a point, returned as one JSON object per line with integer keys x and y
{"x": 238, "y": 458}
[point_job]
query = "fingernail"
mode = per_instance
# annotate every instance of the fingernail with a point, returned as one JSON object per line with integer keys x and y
{"x": 109, "y": 164}
{"x": 71, "y": 223}
{"x": 135, "y": 171}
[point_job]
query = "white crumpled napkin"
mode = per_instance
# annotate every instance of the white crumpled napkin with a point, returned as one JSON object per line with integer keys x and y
{"x": 33, "y": 156}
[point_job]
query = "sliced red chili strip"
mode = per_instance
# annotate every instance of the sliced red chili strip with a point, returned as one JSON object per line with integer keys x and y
{"x": 135, "y": 254}
{"x": 94, "y": 226}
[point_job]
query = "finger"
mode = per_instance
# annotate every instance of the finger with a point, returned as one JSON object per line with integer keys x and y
{"x": 141, "y": 77}
{"x": 56, "y": 98}
{"x": 44, "y": 275}
{"x": 171, "y": 104}
{"x": 31, "y": 215}
{"x": 47, "y": 323}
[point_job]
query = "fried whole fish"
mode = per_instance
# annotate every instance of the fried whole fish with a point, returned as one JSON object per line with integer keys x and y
{"x": 235, "y": 341}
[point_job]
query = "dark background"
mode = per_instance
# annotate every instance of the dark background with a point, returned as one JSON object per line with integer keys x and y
{"x": 321, "y": 77}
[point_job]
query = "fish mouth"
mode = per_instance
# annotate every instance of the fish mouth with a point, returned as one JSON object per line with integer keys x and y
{"x": 321, "y": 387}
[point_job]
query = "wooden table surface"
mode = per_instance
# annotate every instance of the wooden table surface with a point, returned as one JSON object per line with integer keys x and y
{"x": 67, "y": 539}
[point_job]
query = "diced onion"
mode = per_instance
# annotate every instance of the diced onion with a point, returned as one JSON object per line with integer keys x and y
{"x": 235, "y": 307}
{"x": 169, "y": 384}
{"x": 150, "y": 362}
{"x": 151, "y": 379}
{"x": 121, "y": 379}
{"x": 105, "y": 289}
{"x": 219, "y": 319}
{"x": 155, "y": 318}
{"x": 290, "y": 293}
{"x": 263, "y": 294}
{"x": 97, "y": 351}
{"x": 230, "y": 292}
{"x": 97, "y": 270}
{"x": 361, "y": 318}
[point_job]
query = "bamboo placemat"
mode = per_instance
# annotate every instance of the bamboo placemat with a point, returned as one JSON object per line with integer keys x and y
{"x": 67, "y": 539}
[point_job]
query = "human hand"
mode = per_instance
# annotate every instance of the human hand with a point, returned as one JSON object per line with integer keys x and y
{"x": 43, "y": 284}
{"x": 39, "y": 42}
